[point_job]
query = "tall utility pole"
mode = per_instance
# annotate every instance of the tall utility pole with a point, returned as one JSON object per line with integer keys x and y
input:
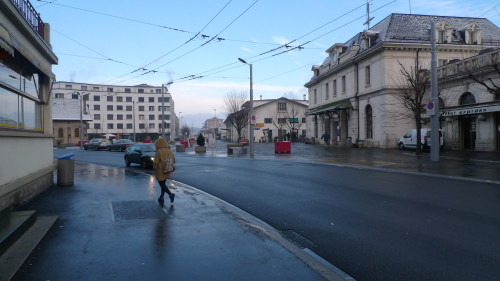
{"x": 434, "y": 102}
{"x": 251, "y": 122}
{"x": 163, "y": 110}
{"x": 133, "y": 114}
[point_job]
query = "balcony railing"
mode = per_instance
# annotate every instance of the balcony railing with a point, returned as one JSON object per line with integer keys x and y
{"x": 29, "y": 13}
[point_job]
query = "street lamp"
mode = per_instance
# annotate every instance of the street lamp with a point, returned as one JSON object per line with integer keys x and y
{"x": 133, "y": 115}
{"x": 81, "y": 118}
{"x": 163, "y": 110}
{"x": 251, "y": 141}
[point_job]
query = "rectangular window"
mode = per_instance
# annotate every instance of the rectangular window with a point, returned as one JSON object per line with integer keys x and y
{"x": 315, "y": 97}
{"x": 151, "y": 99}
{"x": 119, "y": 117}
{"x": 129, "y": 125}
{"x": 129, "y": 108}
{"x": 268, "y": 120}
{"x": 142, "y": 126}
{"x": 86, "y": 97}
{"x": 327, "y": 93}
{"x": 167, "y": 99}
{"x": 109, "y": 89}
{"x": 97, "y": 107}
{"x": 97, "y": 126}
{"x": 109, "y": 116}
{"x": 335, "y": 87}
{"x": 281, "y": 106}
{"x": 141, "y": 99}
{"x": 97, "y": 98}
{"x": 128, "y": 99}
{"x": 109, "y": 107}
{"x": 119, "y": 107}
{"x": 151, "y": 117}
{"x": 442, "y": 62}
{"x": 119, "y": 126}
{"x": 109, "y": 98}
{"x": 119, "y": 99}
{"x": 74, "y": 96}
{"x": 282, "y": 120}
{"x": 140, "y": 90}
{"x": 129, "y": 116}
{"x": 110, "y": 126}
{"x": 343, "y": 84}
{"x": 59, "y": 96}
{"x": 69, "y": 87}
{"x": 95, "y": 88}
{"x": 84, "y": 88}
{"x": 141, "y": 108}
{"x": 151, "y": 125}
{"x": 141, "y": 117}
{"x": 97, "y": 116}
{"x": 158, "y": 91}
{"x": 151, "y": 108}
{"x": 367, "y": 76}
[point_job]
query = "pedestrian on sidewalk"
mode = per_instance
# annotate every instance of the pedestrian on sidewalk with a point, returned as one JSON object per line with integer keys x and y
{"x": 326, "y": 137}
{"x": 163, "y": 151}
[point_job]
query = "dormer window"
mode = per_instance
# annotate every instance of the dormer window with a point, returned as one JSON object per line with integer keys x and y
{"x": 368, "y": 38}
{"x": 443, "y": 33}
{"x": 473, "y": 34}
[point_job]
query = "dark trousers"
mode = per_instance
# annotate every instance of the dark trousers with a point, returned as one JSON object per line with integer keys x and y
{"x": 164, "y": 188}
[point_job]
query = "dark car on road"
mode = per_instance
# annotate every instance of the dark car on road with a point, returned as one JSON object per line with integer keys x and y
{"x": 97, "y": 144}
{"x": 120, "y": 144}
{"x": 142, "y": 154}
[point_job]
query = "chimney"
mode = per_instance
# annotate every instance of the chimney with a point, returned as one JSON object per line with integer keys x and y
{"x": 260, "y": 97}
{"x": 304, "y": 96}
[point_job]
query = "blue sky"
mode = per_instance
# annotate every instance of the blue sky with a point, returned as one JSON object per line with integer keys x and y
{"x": 124, "y": 42}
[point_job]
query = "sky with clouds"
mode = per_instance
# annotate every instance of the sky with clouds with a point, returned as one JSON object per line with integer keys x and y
{"x": 195, "y": 45}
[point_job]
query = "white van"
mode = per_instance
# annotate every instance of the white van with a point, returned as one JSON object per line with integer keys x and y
{"x": 409, "y": 140}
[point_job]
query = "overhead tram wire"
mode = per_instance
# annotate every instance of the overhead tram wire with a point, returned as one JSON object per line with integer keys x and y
{"x": 297, "y": 47}
{"x": 287, "y": 44}
{"x": 171, "y": 51}
{"x": 189, "y": 52}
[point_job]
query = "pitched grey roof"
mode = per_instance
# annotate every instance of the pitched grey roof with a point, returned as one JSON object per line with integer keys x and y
{"x": 68, "y": 110}
{"x": 411, "y": 28}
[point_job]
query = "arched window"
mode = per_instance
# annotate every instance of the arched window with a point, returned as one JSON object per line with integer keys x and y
{"x": 61, "y": 133}
{"x": 77, "y": 132}
{"x": 369, "y": 122}
{"x": 467, "y": 98}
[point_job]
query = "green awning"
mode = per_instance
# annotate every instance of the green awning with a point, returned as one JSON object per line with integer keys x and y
{"x": 330, "y": 107}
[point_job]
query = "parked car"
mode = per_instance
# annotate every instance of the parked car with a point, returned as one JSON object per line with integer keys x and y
{"x": 97, "y": 144}
{"x": 409, "y": 140}
{"x": 142, "y": 154}
{"x": 120, "y": 144}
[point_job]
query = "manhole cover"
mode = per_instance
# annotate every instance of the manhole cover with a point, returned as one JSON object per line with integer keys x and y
{"x": 297, "y": 239}
{"x": 136, "y": 210}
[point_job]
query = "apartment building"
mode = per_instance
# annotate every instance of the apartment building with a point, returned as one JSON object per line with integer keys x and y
{"x": 138, "y": 112}
{"x": 353, "y": 93}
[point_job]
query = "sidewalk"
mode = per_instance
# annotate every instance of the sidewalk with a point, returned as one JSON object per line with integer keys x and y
{"x": 468, "y": 165}
{"x": 110, "y": 227}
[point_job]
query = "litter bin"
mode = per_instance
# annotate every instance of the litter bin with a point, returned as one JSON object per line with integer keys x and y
{"x": 65, "y": 169}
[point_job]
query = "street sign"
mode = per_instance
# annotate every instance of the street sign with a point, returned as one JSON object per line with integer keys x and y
{"x": 252, "y": 120}
{"x": 431, "y": 108}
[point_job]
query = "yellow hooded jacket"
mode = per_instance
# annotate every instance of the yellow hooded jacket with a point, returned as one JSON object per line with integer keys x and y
{"x": 162, "y": 151}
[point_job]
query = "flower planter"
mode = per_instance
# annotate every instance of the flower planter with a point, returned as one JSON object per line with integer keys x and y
{"x": 282, "y": 147}
{"x": 200, "y": 149}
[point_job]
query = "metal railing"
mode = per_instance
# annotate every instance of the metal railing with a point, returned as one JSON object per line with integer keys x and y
{"x": 29, "y": 13}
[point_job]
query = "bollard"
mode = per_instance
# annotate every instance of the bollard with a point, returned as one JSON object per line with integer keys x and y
{"x": 65, "y": 170}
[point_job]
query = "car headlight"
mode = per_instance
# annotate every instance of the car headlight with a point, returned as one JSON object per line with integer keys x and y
{"x": 152, "y": 159}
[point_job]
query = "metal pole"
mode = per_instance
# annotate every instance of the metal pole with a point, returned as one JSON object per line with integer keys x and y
{"x": 435, "y": 138}
{"x": 162, "y": 110}
{"x": 81, "y": 120}
{"x": 251, "y": 113}
{"x": 133, "y": 114}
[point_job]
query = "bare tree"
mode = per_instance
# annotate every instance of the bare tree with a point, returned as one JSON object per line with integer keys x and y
{"x": 410, "y": 94}
{"x": 487, "y": 76}
{"x": 237, "y": 113}
{"x": 294, "y": 120}
{"x": 185, "y": 131}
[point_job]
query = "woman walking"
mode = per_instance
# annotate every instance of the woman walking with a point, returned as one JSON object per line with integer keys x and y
{"x": 163, "y": 151}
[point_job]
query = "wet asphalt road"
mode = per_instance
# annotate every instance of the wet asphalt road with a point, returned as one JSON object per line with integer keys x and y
{"x": 374, "y": 225}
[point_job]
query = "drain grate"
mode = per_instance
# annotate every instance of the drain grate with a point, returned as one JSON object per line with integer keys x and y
{"x": 297, "y": 239}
